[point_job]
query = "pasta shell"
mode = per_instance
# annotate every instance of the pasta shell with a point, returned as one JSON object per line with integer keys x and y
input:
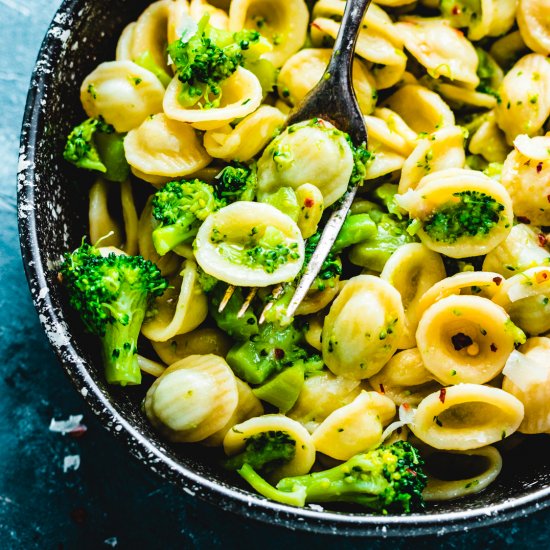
{"x": 532, "y": 17}
{"x": 124, "y": 44}
{"x": 218, "y": 18}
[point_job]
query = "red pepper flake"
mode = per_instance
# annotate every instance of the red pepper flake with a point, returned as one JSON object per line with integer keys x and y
{"x": 541, "y": 277}
{"x": 548, "y": 198}
{"x": 309, "y": 202}
{"x": 78, "y": 515}
{"x": 523, "y": 219}
{"x": 406, "y": 406}
{"x": 542, "y": 239}
{"x": 411, "y": 471}
{"x": 497, "y": 281}
{"x": 461, "y": 341}
{"x": 279, "y": 353}
{"x": 493, "y": 348}
{"x": 78, "y": 432}
{"x": 442, "y": 395}
{"x": 382, "y": 390}
{"x": 539, "y": 167}
{"x": 456, "y": 10}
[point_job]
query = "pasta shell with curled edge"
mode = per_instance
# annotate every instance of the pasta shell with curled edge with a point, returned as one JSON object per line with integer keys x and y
{"x": 303, "y": 70}
{"x": 412, "y": 269}
{"x": 123, "y": 93}
{"x": 438, "y": 490}
{"x": 354, "y": 428}
{"x": 489, "y": 141}
{"x": 363, "y": 328}
{"x": 218, "y": 18}
{"x": 178, "y": 12}
{"x": 231, "y": 230}
{"x": 103, "y": 227}
{"x": 534, "y": 26}
{"x": 247, "y": 138}
{"x": 192, "y": 399}
{"x": 527, "y": 377}
{"x": 235, "y": 441}
{"x": 241, "y": 94}
{"x": 465, "y": 339}
{"x": 166, "y": 148}
{"x": 182, "y": 307}
{"x": 283, "y": 23}
{"x": 124, "y": 44}
{"x": 466, "y": 416}
{"x": 249, "y": 406}
{"x": 423, "y": 110}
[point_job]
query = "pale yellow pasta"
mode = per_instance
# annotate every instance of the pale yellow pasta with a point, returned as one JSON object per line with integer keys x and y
{"x": 527, "y": 377}
{"x": 322, "y": 394}
{"x": 248, "y": 406}
{"x": 283, "y": 22}
{"x": 489, "y": 141}
{"x": 525, "y": 101}
{"x": 247, "y": 138}
{"x": 423, "y": 110}
{"x": 439, "y": 191}
{"x": 235, "y": 441}
{"x": 526, "y": 297}
{"x": 397, "y": 127}
{"x": 299, "y": 156}
{"x": 317, "y": 300}
{"x": 164, "y": 147}
{"x": 485, "y": 464}
{"x": 387, "y": 132}
{"x": 466, "y": 416}
{"x": 504, "y": 15}
{"x": 201, "y": 341}
{"x": 526, "y": 176}
{"x": 412, "y": 269}
{"x": 150, "y": 35}
{"x": 123, "y": 93}
{"x": 181, "y": 309}
{"x": 354, "y": 428}
{"x": 104, "y": 228}
{"x": 534, "y": 24}
{"x": 465, "y": 339}
{"x": 311, "y": 203}
{"x": 124, "y": 44}
{"x": 313, "y": 331}
{"x": 438, "y": 151}
{"x": 508, "y": 49}
{"x": 304, "y": 70}
{"x": 386, "y": 160}
{"x": 440, "y": 48}
{"x": 130, "y": 217}
{"x": 178, "y": 14}
{"x": 222, "y": 241}
{"x": 192, "y": 399}
{"x": 151, "y": 367}
{"x": 218, "y": 18}
{"x": 356, "y": 345}
{"x": 241, "y": 94}
{"x": 523, "y": 248}
{"x": 156, "y": 181}
{"x": 458, "y": 96}
{"x": 404, "y": 378}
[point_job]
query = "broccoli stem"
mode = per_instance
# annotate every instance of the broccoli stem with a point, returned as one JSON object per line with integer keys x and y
{"x": 168, "y": 237}
{"x": 356, "y": 228}
{"x": 294, "y": 498}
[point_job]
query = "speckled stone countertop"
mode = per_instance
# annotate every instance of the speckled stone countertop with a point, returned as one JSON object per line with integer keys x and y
{"x": 49, "y": 498}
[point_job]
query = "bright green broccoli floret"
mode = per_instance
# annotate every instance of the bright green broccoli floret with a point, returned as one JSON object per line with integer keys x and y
{"x": 181, "y": 207}
{"x": 112, "y": 295}
{"x": 264, "y": 452}
{"x": 330, "y": 271}
{"x": 389, "y": 478}
{"x": 362, "y": 158}
{"x": 205, "y": 56}
{"x": 94, "y": 145}
{"x": 236, "y": 182}
{"x": 474, "y": 214}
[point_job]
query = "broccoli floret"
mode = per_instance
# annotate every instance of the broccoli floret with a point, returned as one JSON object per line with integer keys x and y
{"x": 204, "y": 57}
{"x": 147, "y": 61}
{"x": 389, "y": 478}
{"x": 180, "y": 207}
{"x": 356, "y": 228}
{"x": 489, "y": 74}
{"x": 264, "y": 452}
{"x": 474, "y": 214}
{"x": 236, "y": 182}
{"x": 112, "y": 295}
{"x": 94, "y": 145}
{"x": 362, "y": 158}
{"x": 330, "y": 271}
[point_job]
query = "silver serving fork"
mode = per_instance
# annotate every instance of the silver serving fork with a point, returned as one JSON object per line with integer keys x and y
{"x": 333, "y": 99}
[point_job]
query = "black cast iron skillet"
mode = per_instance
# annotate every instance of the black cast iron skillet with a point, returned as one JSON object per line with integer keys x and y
{"x": 52, "y": 220}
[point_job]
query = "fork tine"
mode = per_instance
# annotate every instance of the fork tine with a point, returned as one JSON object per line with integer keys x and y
{"x": 227, "y": 296}
{"x": 277, "y": 291}
{"x": 247, "y": 302}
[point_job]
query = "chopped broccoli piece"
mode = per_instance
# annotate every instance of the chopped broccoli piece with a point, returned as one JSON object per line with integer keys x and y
{"x": 264, "y": 452}
{"x": 388, "y": 478}
{"x": 474, "y": 214}
{"x": 461, "y": 13}
{"x": 112, "y": 295}
{"x": 356, "y": 228}
{"x": 283, "y": 389}
{"x": 385, "y": 194}
{"x": 94, "y": 145}
{"x": 285, "y": 200}
{"x": 362, "y": 158}
{"x": 205, "y": 56}
{"x": 236, "y": 182}
{"x": 181, "y": 207}
{"x": 488, "y": 72}
{"x": 146, "y": 61}
{"x": 330, "y": 271}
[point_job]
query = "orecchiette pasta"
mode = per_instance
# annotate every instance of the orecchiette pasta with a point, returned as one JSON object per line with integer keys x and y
{"x": 123, "y": 93}
{"x": 124, "y": 44}
{"x": 357, "y": 346}
{"x": 218, "y": 18}
{"x": 532, "y": 17}
{"x": 489, "y": 141}
{"x": 466, "y": 416}
{"x": 192, "y": 399}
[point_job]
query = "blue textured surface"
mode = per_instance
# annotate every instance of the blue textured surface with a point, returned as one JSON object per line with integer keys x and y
{"x": 111, "y": 500}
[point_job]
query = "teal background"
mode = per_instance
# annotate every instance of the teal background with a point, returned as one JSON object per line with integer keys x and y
{"x": 111, "y": 500}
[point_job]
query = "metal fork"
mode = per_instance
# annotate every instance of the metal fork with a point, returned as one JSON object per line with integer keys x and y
{"x": 333, "y": 99}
